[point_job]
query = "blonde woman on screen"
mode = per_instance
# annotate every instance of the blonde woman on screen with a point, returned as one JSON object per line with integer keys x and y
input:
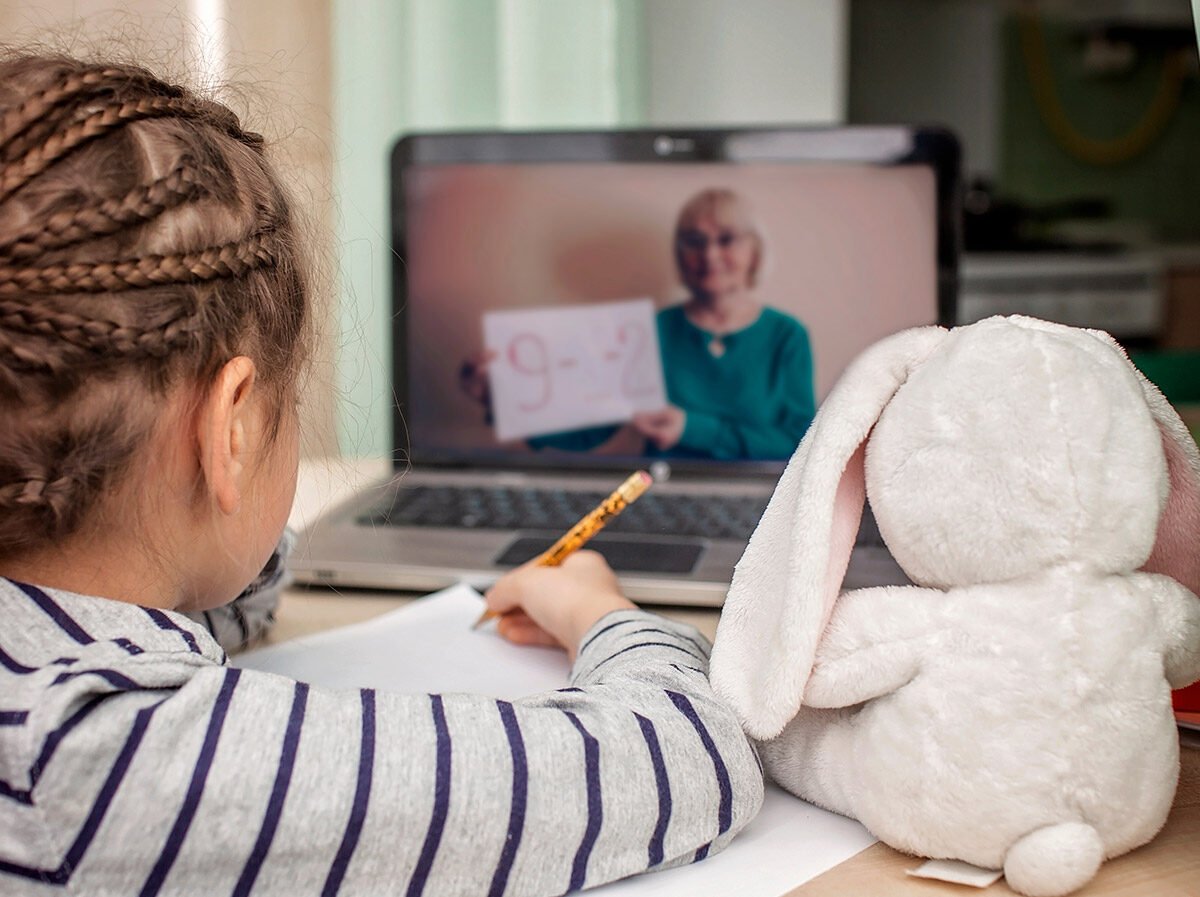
{"x": 739, "y": 374}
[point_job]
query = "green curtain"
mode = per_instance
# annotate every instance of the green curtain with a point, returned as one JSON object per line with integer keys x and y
{"x": 417, "y": 65}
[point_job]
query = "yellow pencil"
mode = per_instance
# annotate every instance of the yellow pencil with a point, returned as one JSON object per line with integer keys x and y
{"x": 592, "y": 522}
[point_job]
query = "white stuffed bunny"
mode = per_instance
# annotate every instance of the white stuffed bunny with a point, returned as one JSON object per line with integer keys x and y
{"x": 1011, "y": 709}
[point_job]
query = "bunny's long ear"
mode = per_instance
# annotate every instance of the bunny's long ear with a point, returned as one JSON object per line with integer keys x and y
{"x": 1177, "y": 544}
{"x": 786, "y": 582}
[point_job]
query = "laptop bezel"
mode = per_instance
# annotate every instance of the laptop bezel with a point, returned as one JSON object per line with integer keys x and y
{"x": 935, "y": 147}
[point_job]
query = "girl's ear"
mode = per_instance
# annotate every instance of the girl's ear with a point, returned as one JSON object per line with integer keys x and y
{"x": 226, "y": 431}
{"x": 785, "y": 585}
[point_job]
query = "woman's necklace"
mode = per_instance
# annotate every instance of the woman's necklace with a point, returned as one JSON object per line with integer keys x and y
{"x": 717, "y": 345}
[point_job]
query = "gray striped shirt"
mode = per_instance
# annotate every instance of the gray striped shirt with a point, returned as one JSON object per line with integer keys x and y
{"x": 135, "y": 760}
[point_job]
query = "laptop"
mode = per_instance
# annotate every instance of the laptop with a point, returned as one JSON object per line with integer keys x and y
{"x": 570, "y": 307}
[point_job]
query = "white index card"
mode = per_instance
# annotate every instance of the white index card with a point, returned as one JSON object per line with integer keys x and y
{"x": 560, "y": 369}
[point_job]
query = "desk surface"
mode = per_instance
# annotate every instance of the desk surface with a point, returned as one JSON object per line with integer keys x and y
{"x": 1169, "y": 866}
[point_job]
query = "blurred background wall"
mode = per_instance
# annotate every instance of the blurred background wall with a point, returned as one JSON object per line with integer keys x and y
{"x": 1080, "y": 121}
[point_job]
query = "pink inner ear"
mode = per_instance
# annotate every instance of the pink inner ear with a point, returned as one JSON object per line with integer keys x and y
{"x": 847, "y": 515}
{"x": 1177, "y": 545}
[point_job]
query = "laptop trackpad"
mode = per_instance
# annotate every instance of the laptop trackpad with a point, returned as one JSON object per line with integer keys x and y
{"x": 645, "y": 555}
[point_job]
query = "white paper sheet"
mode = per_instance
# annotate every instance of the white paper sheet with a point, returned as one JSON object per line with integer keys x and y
{"x": 957, "y": 872}
{"x": 557, "y": 369}
{"x": 429, "y": 646}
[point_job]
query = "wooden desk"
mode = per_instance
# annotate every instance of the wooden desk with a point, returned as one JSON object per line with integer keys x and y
{"x": 1169, "y": 866}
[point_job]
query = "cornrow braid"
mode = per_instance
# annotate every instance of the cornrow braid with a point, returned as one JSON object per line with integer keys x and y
{"x": 76, "y": 84}
{"x": 16, "y": 175}
{"x": 218, "y": 262}
{"x": 227, "y": 121}
{"x": 77, "y": 225}
{"x": 97, "y": 335}
{"x": 43, "y": 474}
{"x": 32, "y": 492}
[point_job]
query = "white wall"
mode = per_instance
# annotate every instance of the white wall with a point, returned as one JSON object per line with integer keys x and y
{"x": 717, "y": 62}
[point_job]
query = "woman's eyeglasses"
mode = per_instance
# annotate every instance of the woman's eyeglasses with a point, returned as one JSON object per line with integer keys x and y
{"x": 697, "y": 241}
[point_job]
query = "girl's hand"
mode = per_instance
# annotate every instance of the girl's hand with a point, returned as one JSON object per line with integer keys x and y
{"x": 556, "y": 605}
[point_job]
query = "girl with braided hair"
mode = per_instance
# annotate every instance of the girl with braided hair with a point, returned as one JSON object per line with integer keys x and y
{"x": 154, "y": 324}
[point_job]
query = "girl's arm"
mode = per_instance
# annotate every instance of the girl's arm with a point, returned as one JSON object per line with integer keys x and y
{"x": 186, "y": 776}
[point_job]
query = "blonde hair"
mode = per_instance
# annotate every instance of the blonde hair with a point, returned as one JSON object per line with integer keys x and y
{"x": 720, "y": 202}
{"x": 144, "y": 241}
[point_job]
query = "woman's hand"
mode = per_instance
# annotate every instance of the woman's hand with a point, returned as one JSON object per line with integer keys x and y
{"x": 664, "y": 428}
{"x": 473, "y": 378}
{"x": 556, "y": 606}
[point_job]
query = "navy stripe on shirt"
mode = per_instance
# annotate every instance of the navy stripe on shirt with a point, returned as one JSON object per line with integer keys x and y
{"x": 54, "y": 738}
{"x": 679, "y": 635}
{"x": 725, "y": 807}
{"x": 127, "y": 646}
{"x": 641, "y": 645}
{"x": 520, "y": 792}
{"x": 20, "y": 795}
{"x": 283, "y": 778}
{"x": 10, "y": 664}
{"x": 441, "y": 800}
{"x": 664, "y": 789}
{"x": 595, "y": 635}
{"x": 165, "y": 623}
{"x": 195, "y": 790}
{"x": 140, "y": 722}
{"x": 595, "y": 804}
{"x": 56, "y": 613}
{"x": 95, "y": 816}
{"x": 25, "y": 796}
{"x": 112, "y": 677}
{"x": 362, "y": 794}
{"x": 13, "y": 717}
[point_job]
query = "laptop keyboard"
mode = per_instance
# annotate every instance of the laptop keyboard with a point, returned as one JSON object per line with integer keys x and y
{"x": 475, "y": 507}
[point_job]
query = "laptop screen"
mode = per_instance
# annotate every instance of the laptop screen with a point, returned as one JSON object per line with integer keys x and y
{"x": 598, "y": 300}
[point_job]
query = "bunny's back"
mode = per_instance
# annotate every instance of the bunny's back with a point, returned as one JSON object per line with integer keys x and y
{"x": 1042, "y": 700}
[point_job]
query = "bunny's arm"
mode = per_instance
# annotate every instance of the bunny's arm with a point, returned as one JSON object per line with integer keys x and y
{"x": 1178, "y": 612}
{"x": 872, "y": 645}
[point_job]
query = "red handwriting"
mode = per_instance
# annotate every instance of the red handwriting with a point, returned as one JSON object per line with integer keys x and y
{"x": 529, "y": 355}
